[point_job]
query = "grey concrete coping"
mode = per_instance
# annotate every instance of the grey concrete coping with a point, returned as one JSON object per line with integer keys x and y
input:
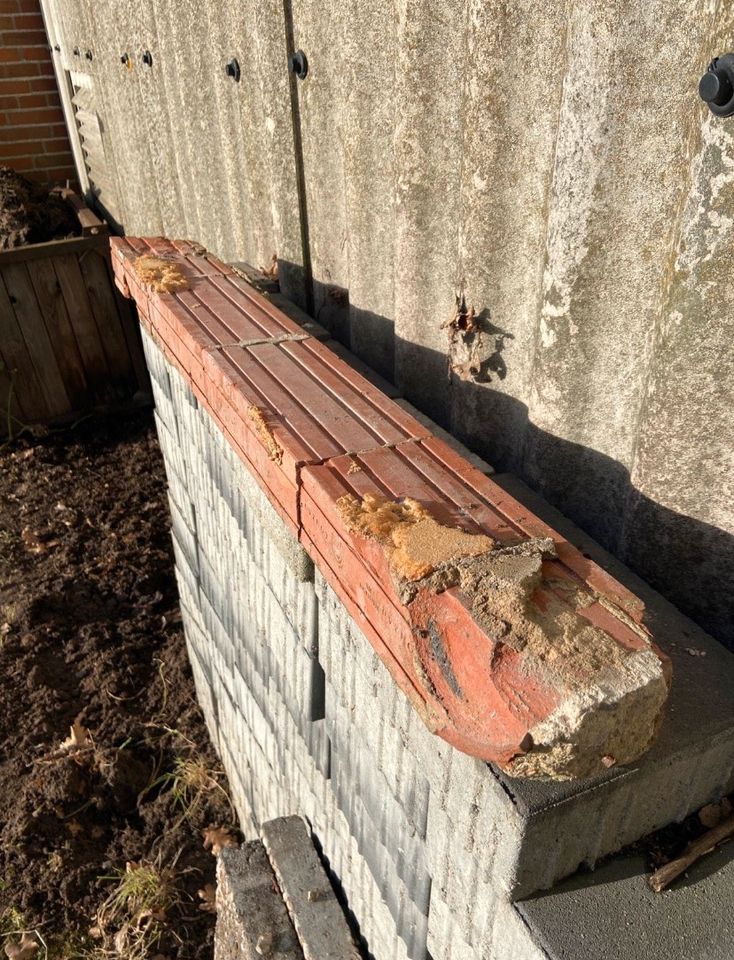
{"x": 611, "y": 914}
{"x": 252, "y": 920}
{"x": 691, "y": 763}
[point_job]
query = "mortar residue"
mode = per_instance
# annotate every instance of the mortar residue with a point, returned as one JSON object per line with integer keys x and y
{"x": 162, "y": 276}
{"x": 611, "y": 698}
{"x": 274, "y": 450}
{"x": 416, "y": 545}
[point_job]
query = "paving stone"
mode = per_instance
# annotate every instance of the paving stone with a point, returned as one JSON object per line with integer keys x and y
{"x": 308, "y": 894}
{"x": 252, "y": 918}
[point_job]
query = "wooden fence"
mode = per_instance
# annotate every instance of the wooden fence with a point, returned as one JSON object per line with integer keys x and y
{"x": 68, "y": 342}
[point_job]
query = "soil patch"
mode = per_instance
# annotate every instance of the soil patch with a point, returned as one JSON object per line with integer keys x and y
{"x": 90, "y": 633}
{"x": 29, "y": 213}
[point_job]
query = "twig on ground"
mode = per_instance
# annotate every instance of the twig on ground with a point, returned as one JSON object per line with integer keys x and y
{"x": 663, "y": 877}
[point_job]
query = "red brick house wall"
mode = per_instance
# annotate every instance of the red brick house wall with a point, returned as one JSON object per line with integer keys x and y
{"x": 33, "y": 137}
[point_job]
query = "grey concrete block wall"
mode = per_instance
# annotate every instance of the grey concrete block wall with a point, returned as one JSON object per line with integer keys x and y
{"x": 430, "y": 847}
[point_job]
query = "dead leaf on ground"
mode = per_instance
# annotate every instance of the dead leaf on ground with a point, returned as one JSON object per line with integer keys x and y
{"x": 216, "y": 838}
{"x": 208, "y": 897}
{"x": 713, "y": 813}
{"x": 25, "y": 949}
{"x": 78, "y": 738}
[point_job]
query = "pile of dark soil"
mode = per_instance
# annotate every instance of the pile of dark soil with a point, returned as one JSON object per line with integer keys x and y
{"x": 90, "y": 633}
{"x": 29, "y": 213}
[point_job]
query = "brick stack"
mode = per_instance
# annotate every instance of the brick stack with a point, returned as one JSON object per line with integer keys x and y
{"x": 429, "y": 844}
{"x": 33, "y": 137}
{"x": 314, "y": 433}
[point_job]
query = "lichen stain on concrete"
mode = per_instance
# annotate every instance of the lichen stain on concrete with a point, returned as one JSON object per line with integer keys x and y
{"x": 273, "y": 448}
{"x": 415, "y": 544}
{"x": 162, "y": 276}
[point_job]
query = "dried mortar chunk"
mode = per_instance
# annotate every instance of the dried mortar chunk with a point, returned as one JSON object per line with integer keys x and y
{"x": 274, "y": 450}
{"x": 618, "y": 716}
{"x": 163, "y": 276}
{"x": 611, "y": 698}
{"x": 416, "y": 545}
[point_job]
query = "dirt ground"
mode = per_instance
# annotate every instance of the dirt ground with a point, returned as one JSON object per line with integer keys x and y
{"x": 29, "y": 214}
{"x": 90, "y": 634}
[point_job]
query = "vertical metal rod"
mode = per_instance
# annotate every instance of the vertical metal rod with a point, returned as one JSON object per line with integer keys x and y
{"x": 300, "y": 169}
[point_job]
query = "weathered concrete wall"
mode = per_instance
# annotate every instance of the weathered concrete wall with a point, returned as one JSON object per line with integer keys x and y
{"x": 555, "y": 164}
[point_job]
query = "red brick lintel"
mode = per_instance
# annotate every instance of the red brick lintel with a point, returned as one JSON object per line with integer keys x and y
{"x": 541, "y": 664}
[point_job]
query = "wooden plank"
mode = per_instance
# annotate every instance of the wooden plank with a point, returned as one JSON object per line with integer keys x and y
{"x": 56, "y": 317}
{"x": 35, "y": 251}
{"x": 12, "y": 414}
{"x": 17, "y": 360}
{"x": 99, "y": 288}
{"x": 83, "y": 323}
{"x": 89, "y": 222}
{"x": 42, "y": 351}
{"x": 130, "y": 328}
{"x": 10, "y": 394}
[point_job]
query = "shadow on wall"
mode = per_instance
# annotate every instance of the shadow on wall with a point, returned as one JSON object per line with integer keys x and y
{"x": 689, "y": 562}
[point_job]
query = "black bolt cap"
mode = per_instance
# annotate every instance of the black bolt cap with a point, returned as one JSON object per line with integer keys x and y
{"x": 716, "y": 86}
{"x": 125, "y": 58}
{"x": 77, "y": 52}
{"x": 232, "y": 70}
{"x": 147, "y": 58}
{"x": 298, "y": 64}
{"x": 89, "y": 55}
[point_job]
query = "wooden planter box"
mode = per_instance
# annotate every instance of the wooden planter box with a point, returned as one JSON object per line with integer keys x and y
{"x": 69, "y": 343}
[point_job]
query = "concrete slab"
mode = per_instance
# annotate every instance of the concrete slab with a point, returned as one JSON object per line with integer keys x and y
{"x": 611, "y": 914}
{"x": 252, "y": 919}
{"x": 307, "y": 892}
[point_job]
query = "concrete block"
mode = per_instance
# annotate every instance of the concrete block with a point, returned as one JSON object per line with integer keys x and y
{"x": 157, "y": 364}
{"x": 184, "y": 536}
{"x": 170, "y": 447}
{"x": 364, "y": 900}
{"x": 252, "y": 918}
{"x": 541, "y": 830}
{"x": 307, "y": 892}
{"x": 163, "y": 406}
